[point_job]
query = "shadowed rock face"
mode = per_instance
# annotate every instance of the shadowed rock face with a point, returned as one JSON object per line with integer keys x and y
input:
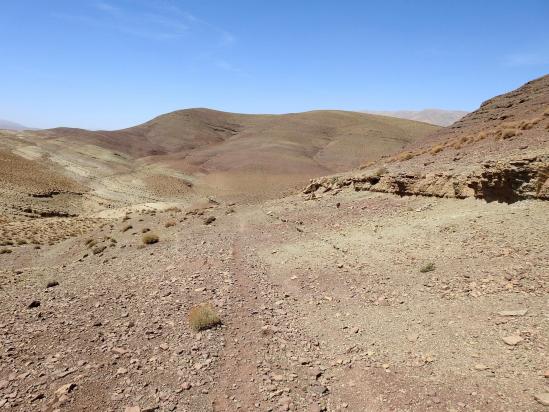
{"x": 512, "y": 181}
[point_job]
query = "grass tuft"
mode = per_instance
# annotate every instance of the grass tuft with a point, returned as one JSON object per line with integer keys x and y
{"x": 429, "y": 267}
{"x": 508, "y": 133}
{"x": 436, "y": 149}
{"x": 203, "y": 317}
{"x": 150, "y": 239}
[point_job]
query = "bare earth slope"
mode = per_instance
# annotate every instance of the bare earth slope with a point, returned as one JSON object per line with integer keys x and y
{"x": 29, "y": 187}
{"x": 499, "y": 152}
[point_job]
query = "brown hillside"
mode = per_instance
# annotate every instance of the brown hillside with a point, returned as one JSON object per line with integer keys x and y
{"x": 35, "y": 188}
{"x": 202, "y": 134}
{"x": 200, "y": 152}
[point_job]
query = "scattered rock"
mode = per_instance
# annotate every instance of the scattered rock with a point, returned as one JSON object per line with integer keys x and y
{"x": 319, "y": 389}
{"x": 34, "y": 304}
{"x": 512, "y": 340}
{"x": 65, "y": 389}
{"x": 517, "y": 312}
{"x": 52, "y": 284}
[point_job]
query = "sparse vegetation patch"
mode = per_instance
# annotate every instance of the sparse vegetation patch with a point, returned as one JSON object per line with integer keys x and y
{"x": 428, "y": 267}
{"x": 203, "y": 317}
{"x": 150, "y": 239}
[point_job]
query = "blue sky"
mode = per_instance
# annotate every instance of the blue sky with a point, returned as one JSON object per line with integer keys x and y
{"x": 115, "y": 63}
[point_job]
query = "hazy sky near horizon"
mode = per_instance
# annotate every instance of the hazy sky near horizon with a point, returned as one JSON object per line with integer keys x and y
{"x": 115, "y": 63}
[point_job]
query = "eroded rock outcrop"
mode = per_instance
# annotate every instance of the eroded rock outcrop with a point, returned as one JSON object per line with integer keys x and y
{"x": 504, "y": 181}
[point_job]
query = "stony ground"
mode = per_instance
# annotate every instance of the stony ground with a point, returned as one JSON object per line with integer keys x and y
{"x": 359, "y": 301}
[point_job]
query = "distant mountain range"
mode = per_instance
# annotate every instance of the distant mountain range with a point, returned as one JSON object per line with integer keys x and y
{"x": 438, "y": 117}
{"x": 7, "y": 125}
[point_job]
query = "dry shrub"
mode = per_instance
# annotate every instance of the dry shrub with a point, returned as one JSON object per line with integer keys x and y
{"x": 126, "y": 228}
{"x": 145, "y": 230}
{"x": 481, "y": 136}
{"x": 150, "y": 239}
{"x": 203, "y": 317}
{"x": 209, "y": 220}
{"x": 5, "y": 251}
{"x": 526, "y": 125}
{"x": 99, "y": 249}
{"x": 436, "y": 149}
{"x": 169, "y": 223}
{"x": 91, "y": 243}
{"x": 508, "y": 133}
{"x": 428, "y": 267}
{"x": 510, "y": 125}
{"x": 405, "y": 156}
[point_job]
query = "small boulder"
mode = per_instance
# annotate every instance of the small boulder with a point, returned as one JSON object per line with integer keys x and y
{"x": 52, "y": 284}
{"x": 512, "y": 340}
